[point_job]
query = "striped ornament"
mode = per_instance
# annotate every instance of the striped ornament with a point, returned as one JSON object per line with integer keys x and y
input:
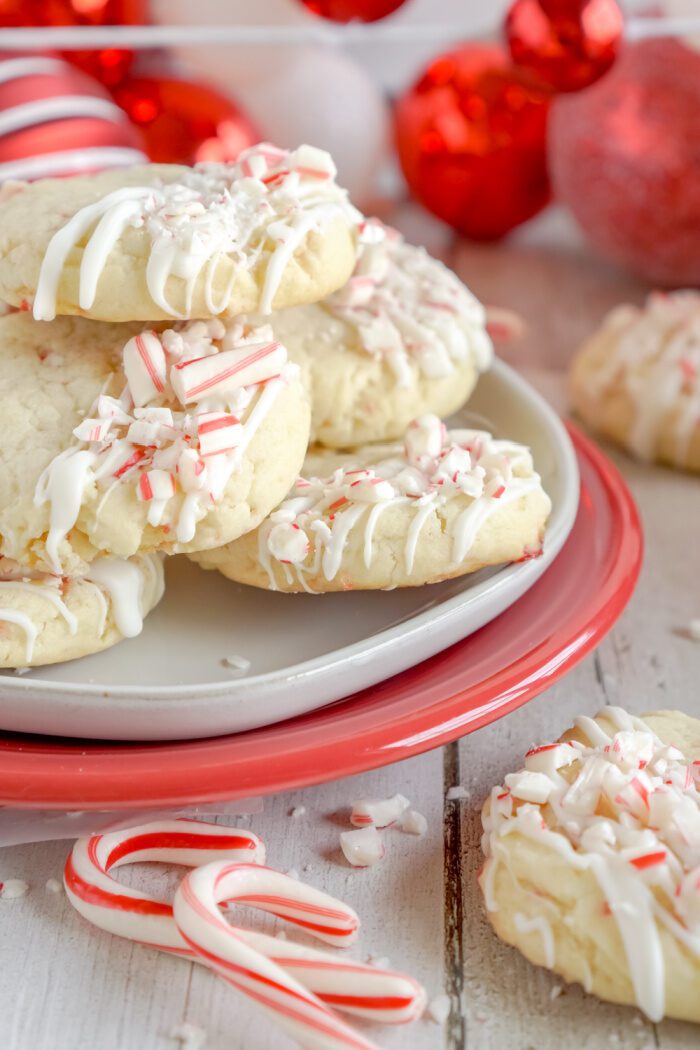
{"x": 56, "y": 120}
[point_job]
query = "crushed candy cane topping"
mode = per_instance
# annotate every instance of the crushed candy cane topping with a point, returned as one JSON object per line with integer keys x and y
{"x": 654, "y": 356}
{"x": 409, "y": 309}
{"x": 176, "y": 432}
{"x": 255, "y": 211}
{"x": 310, "y": 530}
{"x": 627, "y": 808}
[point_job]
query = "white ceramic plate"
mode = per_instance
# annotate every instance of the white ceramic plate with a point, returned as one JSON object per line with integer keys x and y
{"x": 305, "y": 651}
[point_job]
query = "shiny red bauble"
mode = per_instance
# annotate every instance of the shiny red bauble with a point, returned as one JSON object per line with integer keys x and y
{"x": 566, "y": 44}
{"x": 351, "y": 10}
{"x": 108, "y": 65}
{"x": 471, "y": 136}
{"x": 183, "y": 122}
{"x": 624, "y": 158}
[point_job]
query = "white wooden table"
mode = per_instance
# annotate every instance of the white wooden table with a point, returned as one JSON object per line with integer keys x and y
{"x": 66, "y": 986}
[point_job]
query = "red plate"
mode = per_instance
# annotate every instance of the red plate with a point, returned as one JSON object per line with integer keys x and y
{"x": 506, "y": 663}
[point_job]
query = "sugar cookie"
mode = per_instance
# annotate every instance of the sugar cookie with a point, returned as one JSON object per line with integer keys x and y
{"x": 48, "y": 619}
{"x": 163, "y": 241}
{"x": 121, "y": 441}
{"x": 441, "y": 505}
{"x": 637, "y": 380}
{"x": 403, "y": 337}
{"x": 593, "y": 859}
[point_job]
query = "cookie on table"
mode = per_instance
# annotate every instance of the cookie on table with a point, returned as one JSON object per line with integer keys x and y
{"x": 49, "y": 619}
{"x": 637, "y": 380}
{"x": 593, "y": 859}
{"x": 442, "y": 504}
{"x": 123, "y": 441}
{"x": 164, "y": 241}
{"x": 402, "y": 338}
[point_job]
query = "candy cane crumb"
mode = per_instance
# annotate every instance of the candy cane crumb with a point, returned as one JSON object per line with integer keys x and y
{"x": 237, "y": 664}
{"x": 439, "y": 1009}
{"x": 53, "y": 886}
{"x": 457, "y": 793}
{"x": 11, "y": 889}
{"x": 190, "y": 1036}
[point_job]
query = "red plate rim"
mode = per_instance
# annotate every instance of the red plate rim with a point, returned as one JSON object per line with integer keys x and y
{"x": 376, "y": 727}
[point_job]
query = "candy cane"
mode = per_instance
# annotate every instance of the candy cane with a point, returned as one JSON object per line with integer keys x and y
{"x": 128, "y": 912}
{"x": 145, "y": 365}
{"x": 223, "y": 373}
{"x": 199, "y": 920}
{"x": 367, "y": 991}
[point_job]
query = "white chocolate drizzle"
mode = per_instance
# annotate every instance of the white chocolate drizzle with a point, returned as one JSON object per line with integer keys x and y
{"x": 122, "y": 581}
{"x": 309, "y": 531}
{"x": 256, "y": 211}
{"x": 410, "y": 310}
{"x": 654, "y": 356}
{"x": 194, "y": 398}
{"x": 626, "y": 807}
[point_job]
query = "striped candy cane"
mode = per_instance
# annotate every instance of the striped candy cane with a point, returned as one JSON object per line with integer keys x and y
{"x": 366, "y": 991}
{"x": 198, "y": 918}
{"x": 128, "y": 912}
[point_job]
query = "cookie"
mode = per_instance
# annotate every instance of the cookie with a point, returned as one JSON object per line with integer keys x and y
{"x": 49, "y": 619}
{"x": 593, "y": 859}
{"x": 163, "y": 241}
{"x": 121, "y": 441}
{"x": 441, "y": 505}
{"x": 404, "y": 337}
{"x": 637, "y": 380}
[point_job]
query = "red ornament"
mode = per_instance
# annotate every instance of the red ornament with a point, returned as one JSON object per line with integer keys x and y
{"x": 183, "y": 122}
{"x": 109, "y": 65}
{"x": 55, "y": 120}
{"x": 471, "y": 141}
{"x": 565, "y": 44}
{"x": 624, "y": 159}
{"x": 352, "y": 10}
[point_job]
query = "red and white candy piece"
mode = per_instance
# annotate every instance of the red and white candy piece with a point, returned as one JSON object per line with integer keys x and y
{"x": 201, "y": 924}
{"x": 380, "y": 812}
{"x": 288, "y": 543}
{"x": 218, "y": 433}
{"x": 156, "y": 485}
{"x": 145, "y": 367}
{"x": 92, "y": 430}
{"x": 424, "y": 438}
{"x": 127, "y": 912}
{"x": 362, "y": 848}
{"x": 224, "y": 373}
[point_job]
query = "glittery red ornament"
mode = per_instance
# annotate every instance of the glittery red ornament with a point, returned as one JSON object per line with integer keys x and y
{"x": 624, "y": 158}
{"x": 184, "y": 122}
{"x": 566, "y": 44}
{"x": 108, "y": 65}
{"x": 351, "y": 10}
{"x": 55, "y": 120}
{"x": 471, "y": 141}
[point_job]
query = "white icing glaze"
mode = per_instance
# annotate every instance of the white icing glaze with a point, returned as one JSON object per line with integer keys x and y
{"x": 409, "y": 309}
{"x": 628, "y": 810}
{"x": 257, "y": 210}
{"x": 309, "y": 531}
{"x": 655, "y": 357}
{"x": 176, "y": 444}
{"x": 537, "y": 924}
{"x": 124, "y": 583}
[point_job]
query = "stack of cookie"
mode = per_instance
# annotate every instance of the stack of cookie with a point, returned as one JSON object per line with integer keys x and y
{"x": 180, "y": 336}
